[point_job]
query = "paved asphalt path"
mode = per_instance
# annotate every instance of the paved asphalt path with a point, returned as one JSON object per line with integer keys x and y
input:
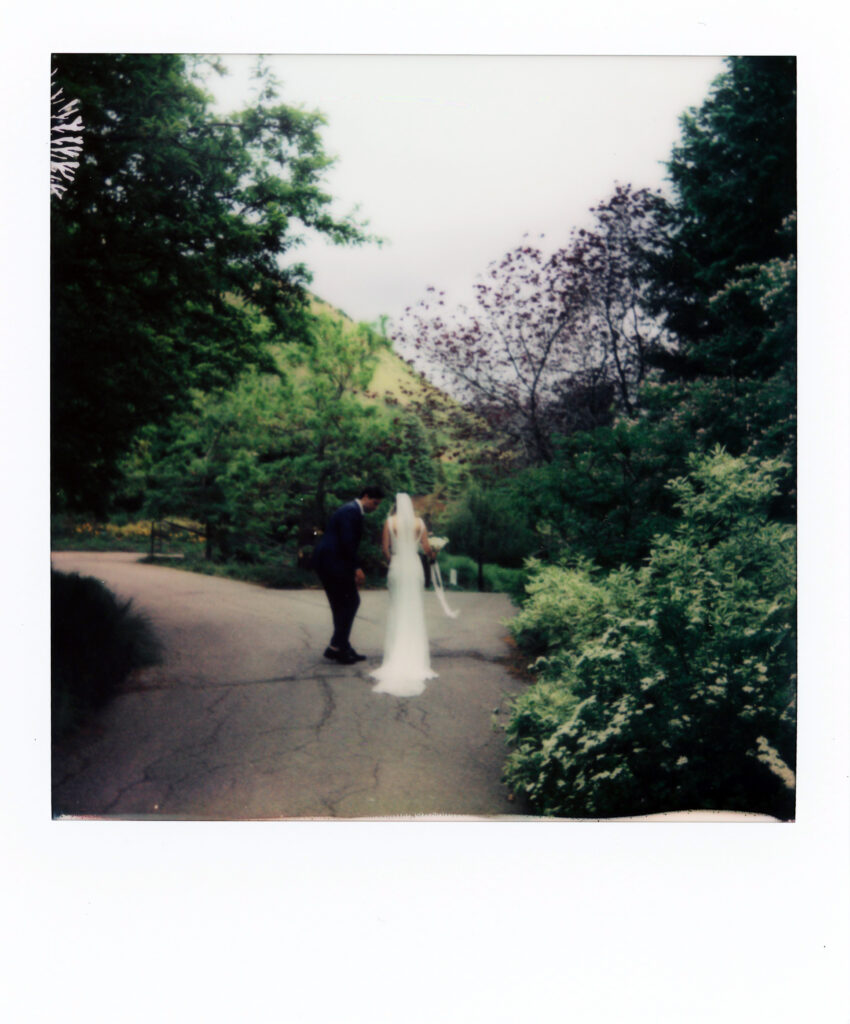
{"x": 245, "y": 719}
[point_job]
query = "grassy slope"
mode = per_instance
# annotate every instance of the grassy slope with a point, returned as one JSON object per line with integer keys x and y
{"x": 396, "y": 382}
{"x": 393, "y": 377}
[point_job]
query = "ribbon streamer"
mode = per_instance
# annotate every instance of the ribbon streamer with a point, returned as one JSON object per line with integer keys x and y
{"x": 438, "y": 590}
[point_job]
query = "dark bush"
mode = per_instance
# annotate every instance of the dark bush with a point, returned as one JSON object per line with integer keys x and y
{"x": 280, "y": 576}
{"x": 96, "y": 641}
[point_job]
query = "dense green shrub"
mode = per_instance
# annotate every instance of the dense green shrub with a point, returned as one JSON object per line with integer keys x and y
{"x": 671, "y": 686}
{"x": 604, "y": 494}
{"x": 279, "y": 576}
{"x": 465, "y": 567}
{"x": 563, "y": 607}
{"x": 497, "y": 578}
{"x": 96, "y": 641}
{"x": 277, "y": 573}
{"x": 504, "y": 580}
{"x": 484, "y": 526}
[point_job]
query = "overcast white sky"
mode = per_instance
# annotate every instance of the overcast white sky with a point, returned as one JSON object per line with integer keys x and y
{"x": 453, "y": 159}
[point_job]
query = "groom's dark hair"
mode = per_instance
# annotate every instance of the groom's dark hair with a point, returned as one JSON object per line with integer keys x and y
{"x": 371, "y": 491}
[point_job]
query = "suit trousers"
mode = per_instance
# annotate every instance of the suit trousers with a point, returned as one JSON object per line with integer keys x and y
{"x": 344, "y": 600}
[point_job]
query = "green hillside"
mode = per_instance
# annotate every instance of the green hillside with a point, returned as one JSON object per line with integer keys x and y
{"x": 396, "y": 383}
{"x": 394, "y": 379}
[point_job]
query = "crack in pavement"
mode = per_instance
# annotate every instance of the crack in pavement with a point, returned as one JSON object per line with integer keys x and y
{"x": 218, "y": 700}
{"x": 493, "y": 659}
{"x": 197, "y": 753}
{"x": 209, "y": 741}
{"x": 328, "y": 804}
{"x": 331, "y": 802}
{"x": 358, "y": 724}
{"x": 72, "y": 774}
{"x": 209, "y": 685}
{"x": 126, "y": 789}
{"x": 403, "y": 715}
{"x": 329, "y": 705}
{"x": 306, "y": 637}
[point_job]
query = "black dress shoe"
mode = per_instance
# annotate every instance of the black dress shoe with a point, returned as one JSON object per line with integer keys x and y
{"x": 357, "y": 657}
{"x": 343, "y": 657}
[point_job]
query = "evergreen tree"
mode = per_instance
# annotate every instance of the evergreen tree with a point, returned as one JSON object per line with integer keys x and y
{"x": 734, "y": 181}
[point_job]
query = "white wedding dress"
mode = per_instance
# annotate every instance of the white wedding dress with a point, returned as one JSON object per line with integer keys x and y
{"x": 407, "y": 664}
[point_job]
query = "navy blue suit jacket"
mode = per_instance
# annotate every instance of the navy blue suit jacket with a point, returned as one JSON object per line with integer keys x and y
{"x": 336, "y": 552}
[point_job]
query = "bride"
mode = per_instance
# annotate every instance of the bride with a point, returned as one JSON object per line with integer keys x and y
{"x": 407, "y": 664}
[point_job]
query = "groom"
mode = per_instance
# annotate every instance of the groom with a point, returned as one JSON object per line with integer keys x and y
{"x": 335, "y": 560}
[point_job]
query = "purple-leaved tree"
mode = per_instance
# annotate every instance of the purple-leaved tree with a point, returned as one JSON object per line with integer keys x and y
{"x": 554, "y": 343}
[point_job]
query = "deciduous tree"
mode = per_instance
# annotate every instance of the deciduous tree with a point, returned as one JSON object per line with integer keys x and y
{"x": 262, "y": 463}
{"x": 484, "y": 526}
{"x": 552, "y": 341}
{"x": 178, "y": 232}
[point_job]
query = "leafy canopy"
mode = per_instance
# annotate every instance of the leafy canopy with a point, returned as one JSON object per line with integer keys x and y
{"x": 261, "y": 463}
{"x": 172, "y": 253}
